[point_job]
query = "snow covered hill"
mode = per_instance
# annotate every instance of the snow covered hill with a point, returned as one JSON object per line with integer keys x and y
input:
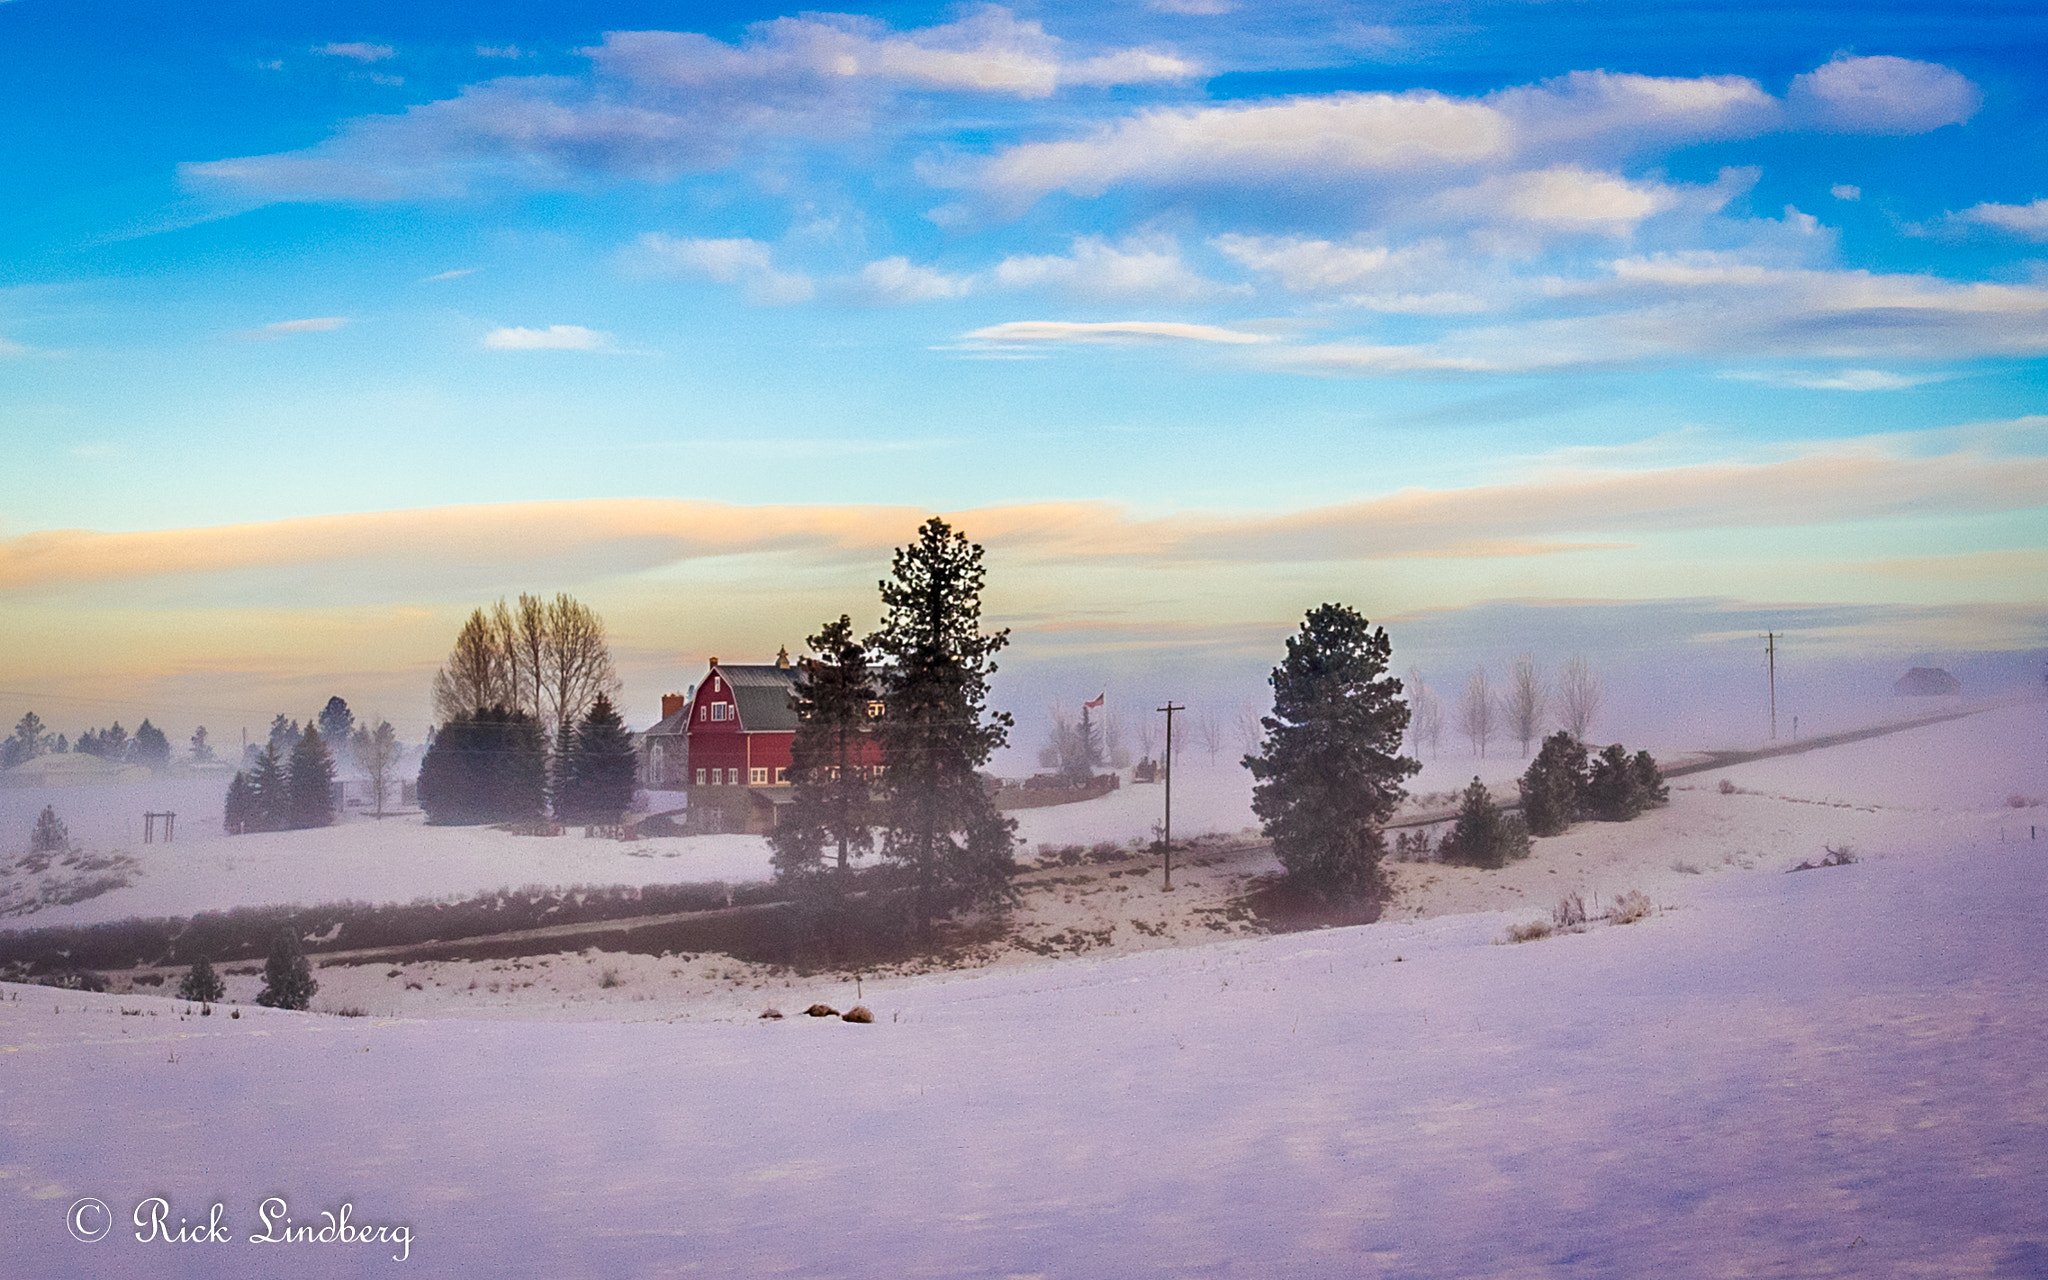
{"x": 1839, "y": 1072}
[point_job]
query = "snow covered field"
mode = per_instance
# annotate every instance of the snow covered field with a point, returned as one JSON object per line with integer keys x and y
{"x": 1839, "y": 1072}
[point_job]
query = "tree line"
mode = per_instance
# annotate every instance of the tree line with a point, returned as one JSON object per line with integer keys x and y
{"x": 528, "y": 729}
{"x": 1519, "y": 711}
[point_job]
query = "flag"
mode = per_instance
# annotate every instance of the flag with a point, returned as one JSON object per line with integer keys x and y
{"x": 1098, "y": 699}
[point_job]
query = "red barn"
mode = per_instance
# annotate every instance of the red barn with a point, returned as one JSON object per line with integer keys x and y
{"x": 742, "y": 725}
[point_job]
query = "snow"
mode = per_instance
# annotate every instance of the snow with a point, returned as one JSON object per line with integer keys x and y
{"x": 1838, "y": 1072}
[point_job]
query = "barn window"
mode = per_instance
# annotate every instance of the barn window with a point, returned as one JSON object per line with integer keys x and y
{"x": 700, "y": 777}
{"x": 781, "y": 776}
{"x": 757, "y": 777}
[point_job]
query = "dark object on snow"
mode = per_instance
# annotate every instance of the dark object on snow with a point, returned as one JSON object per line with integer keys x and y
{"x": 859, "y": 1013}
{"x": 1926, "y": 682}
{"x": 822, "y": 1011}
{"x": 771, "y": 1012}
{"x": 1841, "y": 857}
{"x": 1484, "y": 836}
{"x": 1554, "y": 788}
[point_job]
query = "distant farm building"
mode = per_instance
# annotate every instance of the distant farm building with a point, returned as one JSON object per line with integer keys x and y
{"x": 741, "y": 725}
{"x": 1927, "y": 682}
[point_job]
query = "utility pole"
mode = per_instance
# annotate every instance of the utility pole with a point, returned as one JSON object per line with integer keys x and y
{"x": 1169, "y": 709}
{"x": 1771, "y": 657}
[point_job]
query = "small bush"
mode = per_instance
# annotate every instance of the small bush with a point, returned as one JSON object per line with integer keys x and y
{"x": 1484, "y": 836}
{"x": 1728, "y": 788}
{"x": 1834, "y": 857}
{"x": 1533, "y": 931}
{"x": 1614, "y": 788}
{"x": 859, "y": 1013}
{"x": 1630, "y": 907}
{"x": 608, "y": 979}
{"x": 1684, "y": 868}
{"x": 352, "y": 1011}
{"x": 1570, "y": 911}
{"x": 822, "y": 1011}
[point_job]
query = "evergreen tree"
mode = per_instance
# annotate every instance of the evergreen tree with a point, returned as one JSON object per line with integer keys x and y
{"x": 488, "y": 766}
{"x": 600, "y": 767}
{"x": 942, "y": 831}
{"x": 1651, "y": 779}
{"x": 1614, "y": 789}
{"x": 311, "y": 785}
{"x": 1554, "y": 788}
{"x": 337, "y": 723}
{"x": 269, "y": 793}
{"x": 202, "y": 985}
{"x": 151, "y": 747}
{"x": 1484, "y": 836}
{"x": 284, "y": 735}
{"x": 239, "y": 812}
{"x": 288, "y": 981}
{"x": 29, "y": 740}
{"x": 832, "y": 802}
{"x": 50, "y": 834}
{"x": 1329, "y": 773}
{"x": 201, "y": 753}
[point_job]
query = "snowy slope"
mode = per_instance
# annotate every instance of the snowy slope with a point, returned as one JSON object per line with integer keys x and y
{"x": 1833, "y": 1073}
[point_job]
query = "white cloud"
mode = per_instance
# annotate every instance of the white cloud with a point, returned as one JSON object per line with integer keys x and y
{"x": 1844, "y": 380}
{"x": 1139, "y": 268}
{"x": 510, "y": 51}
{"x": 1113, "y": 331}
{"x": 456, "y": 274}
{"x": 1562, "y": 198}
{"x": 747, "y": 263}
{"x": 285, "y": 328}
{"x": 1308, "y": 265}
{"x": 1328, "y": 135}
{"x": 357, "y": 50}
{"x": 2027, "y": 220}
{"x": 1602, "y": 113}
{"x": 1846, "y": 191}
{"x": 556, "y": 337}
{"x": 901, "y": 280}
{"x": 1882, "y": 95}
{"x": 1192, "y": 8}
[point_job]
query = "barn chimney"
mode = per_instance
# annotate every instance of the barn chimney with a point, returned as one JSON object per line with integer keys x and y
{"x": 672, "y": 703}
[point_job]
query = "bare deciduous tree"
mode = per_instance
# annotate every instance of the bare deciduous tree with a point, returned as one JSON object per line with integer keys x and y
{"x": 1209, "y": 729}
{"x": 1527, "y": 696}
{"x": 549, "y": 660}
{"x": 1250, "y": 733}
{"x": 1476, "y": 712}
{"x": 376, "y": 753}
{"x": 1578, "y": 696}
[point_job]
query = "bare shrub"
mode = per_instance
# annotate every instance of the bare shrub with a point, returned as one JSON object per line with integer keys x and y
{"x": 1533, "y": 931}
{"x": 2017, "y": 801}
{"x": 1630, "y": 907}
{"x": 1684, "y": 868}
{"x": 1833, "y": 857}
{"x": 1728, "y": 788}
{"x": 608, "y": 979}
{"x": 1570, "y": 911}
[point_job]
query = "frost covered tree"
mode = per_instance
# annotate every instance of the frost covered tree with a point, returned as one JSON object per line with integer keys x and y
{"x": 547, "y": 658}
{"x": 201, "y": 752}
{"x": 311, "y": 783}
{"x": 1578, "y": 696}
{"x": 597, "y": 772}
{"x": 942, "y": 831}
{"x": 376, "y": 753}
{"x": 1476, "y": 712}
{"x": 1329, "y": 773}
{"x": 832, "y": 805}
{"x": 288, "y": 981}
{"x": 202, "y": 985}
{"x": 1524, "y": 702}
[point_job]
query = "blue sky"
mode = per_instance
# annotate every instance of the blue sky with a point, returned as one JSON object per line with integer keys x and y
{"x": 321, "y": 324}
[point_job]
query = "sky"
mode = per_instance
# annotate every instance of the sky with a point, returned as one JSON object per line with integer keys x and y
{"x": 1632, "y": 330}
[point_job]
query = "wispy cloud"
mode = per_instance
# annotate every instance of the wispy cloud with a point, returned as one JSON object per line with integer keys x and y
{"x": 2028, "y": 221}
{"x": 747, "y": 263}
{"x": 1842, "y": 380}
{"x": 1037, "y": 332}
{"x": 287, "y": 328}
{"x": 455, "y": 274}
{"x": 358, "y": 51}
{"x": 556, "y": 337}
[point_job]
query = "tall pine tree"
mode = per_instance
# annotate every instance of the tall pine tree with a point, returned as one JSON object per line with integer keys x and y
{"x": 1329, "y": 773}
{"x": 312, "y": 782}
{"x": 942, "y": 830}
{"x": 832, "y": 810}
{"x": 270, "y": 800}
{"x": 597, "y": 772}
